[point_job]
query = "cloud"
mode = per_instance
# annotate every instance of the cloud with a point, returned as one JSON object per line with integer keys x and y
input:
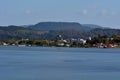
{"x": 113, "y": 13}
{"x": 104, "y": 12}
{"x": 28, "y": 12}
{"x": 108, "y": 13}
{"x": 94, "y": 7}
{"x": 84, "y": 12}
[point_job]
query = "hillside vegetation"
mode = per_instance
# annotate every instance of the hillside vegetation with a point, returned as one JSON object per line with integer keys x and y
{"x": 49, "y": 30}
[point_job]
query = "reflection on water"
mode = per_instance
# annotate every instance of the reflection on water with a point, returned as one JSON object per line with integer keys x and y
{"x": 45, "y": 63}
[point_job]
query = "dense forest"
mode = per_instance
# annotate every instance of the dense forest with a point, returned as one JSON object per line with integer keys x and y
{"x": 46, "y": 32}
{"x": 18, "y": 32}
{"x": 47, "y": 26}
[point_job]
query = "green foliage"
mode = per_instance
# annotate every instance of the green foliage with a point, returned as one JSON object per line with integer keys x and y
{"x": 116, "y": 38}
{"x": 18, "y": 33}
{"x": 47, "y": 26}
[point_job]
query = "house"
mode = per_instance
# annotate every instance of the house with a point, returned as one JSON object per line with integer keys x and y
{"x": 81, "y": 41}
{"x": 110, "y": 46}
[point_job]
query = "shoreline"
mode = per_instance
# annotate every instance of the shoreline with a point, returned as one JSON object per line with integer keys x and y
{"x": 57, "y": 46}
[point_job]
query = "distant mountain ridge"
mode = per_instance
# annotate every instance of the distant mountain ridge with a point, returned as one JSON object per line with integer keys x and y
{"x": 49, "y": 30}
{"x": 92, "y": 26}
{"x": 46, "y": 26}
{"x": 18, "y": 32}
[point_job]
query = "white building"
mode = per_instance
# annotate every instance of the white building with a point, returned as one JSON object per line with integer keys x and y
{"x": 90, "y": 38}
{"x": 81, "y": 41}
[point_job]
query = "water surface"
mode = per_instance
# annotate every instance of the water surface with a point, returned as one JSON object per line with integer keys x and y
{"x": 45, "y": 63}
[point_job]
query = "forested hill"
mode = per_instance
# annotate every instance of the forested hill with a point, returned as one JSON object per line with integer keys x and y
{"x": 18, "y": 32}
{"x": 50, "y": 32}
{"x": 46, "y": 26}
{"x": 68, "y": 34}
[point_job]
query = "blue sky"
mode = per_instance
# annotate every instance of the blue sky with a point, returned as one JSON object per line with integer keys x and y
{"x": 24, "y": 12}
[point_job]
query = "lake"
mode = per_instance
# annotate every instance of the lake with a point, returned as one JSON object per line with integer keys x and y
{"x": 57, "y": 63}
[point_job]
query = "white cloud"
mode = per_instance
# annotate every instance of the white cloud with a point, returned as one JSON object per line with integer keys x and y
{"x": 84, "y": 12}
{"x": 104, "y": 12}
{"x": 28, "y": 12}
{"x": 94, "y": 7}
{"x": 108, "y": 13}
{"x": 113, "y": 13}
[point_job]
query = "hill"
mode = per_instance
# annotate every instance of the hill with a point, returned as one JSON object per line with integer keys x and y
{"x": 49, "y": 30}
{"x": 47, "y": 26}
{"x": 68, "y": 34}
{"x": 91, "y": 26}
{"x": 18, "y": 32}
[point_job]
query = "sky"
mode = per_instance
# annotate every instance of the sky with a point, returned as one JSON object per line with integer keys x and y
{"x": 105, "y": 13}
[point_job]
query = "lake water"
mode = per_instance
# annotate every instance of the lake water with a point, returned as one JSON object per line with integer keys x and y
{"x": 45, "y": 63}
